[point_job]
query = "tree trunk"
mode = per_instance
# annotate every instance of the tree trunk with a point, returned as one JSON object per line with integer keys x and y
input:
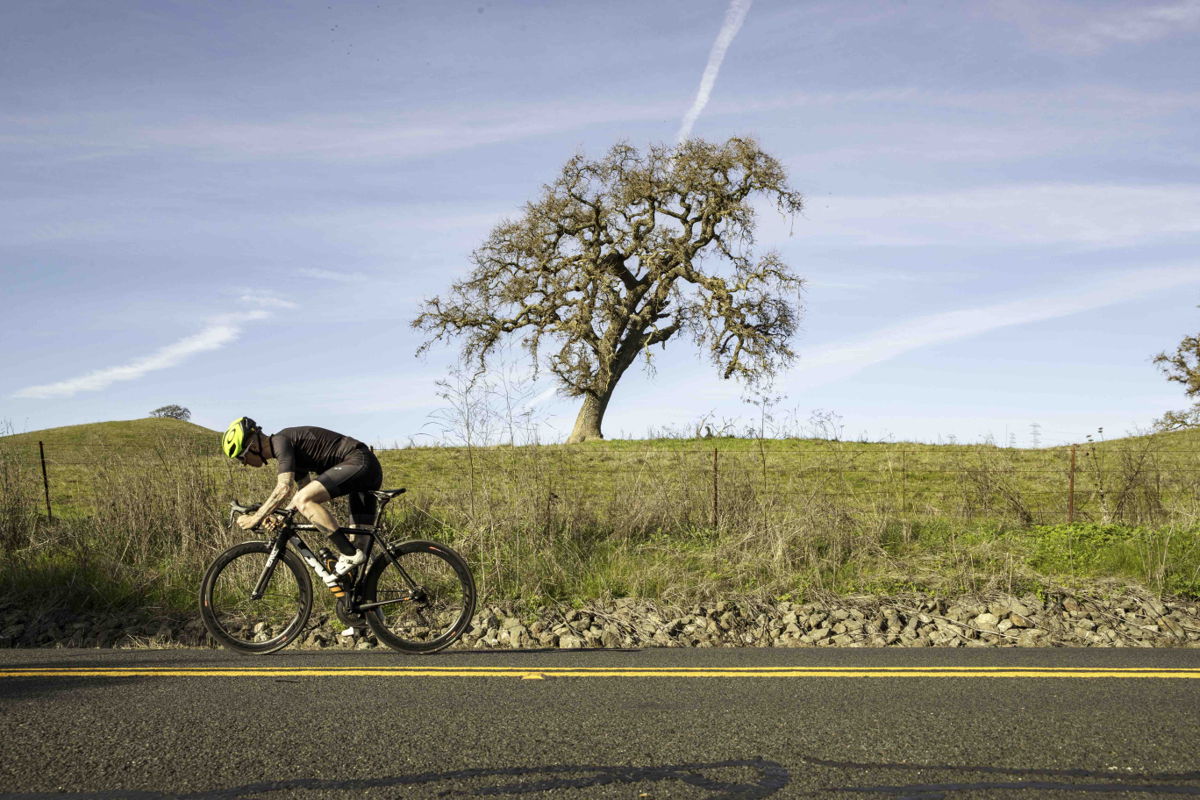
{"x": 587, "y": 424}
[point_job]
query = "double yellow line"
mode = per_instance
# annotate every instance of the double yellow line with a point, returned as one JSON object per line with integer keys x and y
{"x": 539, "y": 673}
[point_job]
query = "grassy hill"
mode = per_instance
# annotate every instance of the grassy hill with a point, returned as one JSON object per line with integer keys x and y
{"x": 139, "y": 512}
{"x": 118, "y": 435}
{"x": 693, "y": 481}
{"x": 82, "y": 458}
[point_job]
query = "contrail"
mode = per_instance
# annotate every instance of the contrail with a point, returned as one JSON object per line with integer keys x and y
{"x": 220, "y": 332}
{"x": 734, "y": 17}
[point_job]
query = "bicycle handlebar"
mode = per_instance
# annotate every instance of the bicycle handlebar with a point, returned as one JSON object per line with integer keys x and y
{"x": 236, "y": 508}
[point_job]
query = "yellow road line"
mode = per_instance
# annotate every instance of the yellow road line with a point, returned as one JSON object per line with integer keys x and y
{"x": 433, "y": 668}
{"x": 266, "y": 667}
{"x": 599, "y": 672}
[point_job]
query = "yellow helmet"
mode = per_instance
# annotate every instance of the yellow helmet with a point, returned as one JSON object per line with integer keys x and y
{"x": 237, "y": 436}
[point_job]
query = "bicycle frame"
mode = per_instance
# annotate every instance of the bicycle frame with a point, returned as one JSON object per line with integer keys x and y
{"x": 290, "y": 532}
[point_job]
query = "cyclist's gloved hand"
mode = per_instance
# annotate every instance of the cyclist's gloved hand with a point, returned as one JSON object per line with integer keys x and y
{"x": 245, "y": 521}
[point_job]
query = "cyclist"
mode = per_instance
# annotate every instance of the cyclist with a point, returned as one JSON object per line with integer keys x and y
{"x": 344, "y": 466}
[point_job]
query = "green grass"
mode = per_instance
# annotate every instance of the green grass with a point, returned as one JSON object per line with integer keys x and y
{"x": 76, "y": 454}
{"x": 140, "y": 511}
{"x": 1029, "y": 485}
{"x": 1083, "y": 552}
{"x": 124, "y": 434}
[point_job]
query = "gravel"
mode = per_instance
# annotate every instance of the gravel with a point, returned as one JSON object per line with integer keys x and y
{"x": 1050, "y": 619}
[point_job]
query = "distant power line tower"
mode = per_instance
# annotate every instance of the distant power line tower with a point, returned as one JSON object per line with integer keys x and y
{"x": 1035, "y": 434}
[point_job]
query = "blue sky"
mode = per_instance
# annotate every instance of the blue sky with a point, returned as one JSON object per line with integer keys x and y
{"x": 240, "y": 207}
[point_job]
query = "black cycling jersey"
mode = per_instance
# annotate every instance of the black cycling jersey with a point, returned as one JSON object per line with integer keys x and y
{"x": 307, "y": 449}
{"x": 346, "y": 466}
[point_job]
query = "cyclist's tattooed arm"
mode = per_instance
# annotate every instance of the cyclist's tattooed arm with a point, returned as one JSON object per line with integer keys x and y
{"x": 284, "y": 487}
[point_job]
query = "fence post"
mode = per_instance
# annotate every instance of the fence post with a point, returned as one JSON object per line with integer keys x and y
{"x": 1071, "y": 489}
{"x": 714, "y": 510}
{"x": 45, "y": 479}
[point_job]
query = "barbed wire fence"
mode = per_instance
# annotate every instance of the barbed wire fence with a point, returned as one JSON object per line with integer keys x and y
{"x": 1140, "y": 484}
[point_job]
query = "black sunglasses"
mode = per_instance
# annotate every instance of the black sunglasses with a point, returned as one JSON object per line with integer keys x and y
{"x": 256, "y": 451}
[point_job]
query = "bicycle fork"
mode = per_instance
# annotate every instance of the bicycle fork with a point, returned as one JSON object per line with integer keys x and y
{"x": 264, "y": 578}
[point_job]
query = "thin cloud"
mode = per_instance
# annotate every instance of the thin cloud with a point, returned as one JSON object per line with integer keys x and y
{"x": 1136, "y": 25}
{"x": 220, "y": 331}
{"x": 841, "y": 360}
{"x": 330, "y": 275}
{"x": 254, "y": 297}
{"x": 326, "y": 137}
{"x": 393, "y": 135}
{"x": 1081, "y": 29}
{"x": 1081, "y": 215}
{"x": 1144, "y": 24}
{"x": 735, "y": 15}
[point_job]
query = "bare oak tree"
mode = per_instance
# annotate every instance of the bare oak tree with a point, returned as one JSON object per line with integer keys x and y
{"x": 624, "y": 253}
{"x": 1182, "y": 366}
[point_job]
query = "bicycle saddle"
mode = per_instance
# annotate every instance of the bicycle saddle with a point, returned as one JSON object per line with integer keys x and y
{"x": 388, "y": 494}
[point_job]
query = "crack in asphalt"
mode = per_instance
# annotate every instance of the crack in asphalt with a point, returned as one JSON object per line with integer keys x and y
{"x": 770, "y": 777}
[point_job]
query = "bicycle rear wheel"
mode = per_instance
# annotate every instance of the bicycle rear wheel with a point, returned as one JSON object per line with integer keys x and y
{"x": 429, "y": 595}
{"x": 256, "y": 626}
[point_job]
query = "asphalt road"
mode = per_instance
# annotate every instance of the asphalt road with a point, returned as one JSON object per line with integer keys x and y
{"x": 672, "y": 723}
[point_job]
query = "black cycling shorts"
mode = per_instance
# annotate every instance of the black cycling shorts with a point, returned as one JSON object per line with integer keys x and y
{"x": 357, "y": 476}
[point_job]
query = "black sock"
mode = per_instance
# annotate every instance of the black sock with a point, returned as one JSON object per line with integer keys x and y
{"x": 339, "y": 540}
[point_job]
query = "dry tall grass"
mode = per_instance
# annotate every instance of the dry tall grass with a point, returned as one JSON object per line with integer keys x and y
{"x": 653, "y": 520}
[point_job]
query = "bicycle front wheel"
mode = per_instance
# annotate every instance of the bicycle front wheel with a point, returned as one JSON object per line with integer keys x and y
{"x": 427, "y": 597}
{"x": 255, "y": 625}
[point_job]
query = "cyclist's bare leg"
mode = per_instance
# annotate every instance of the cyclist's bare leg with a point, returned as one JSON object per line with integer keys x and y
{"x": 308, "y": 501}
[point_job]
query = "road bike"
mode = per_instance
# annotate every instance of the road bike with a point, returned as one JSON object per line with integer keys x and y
{"x": 256, "y": 597}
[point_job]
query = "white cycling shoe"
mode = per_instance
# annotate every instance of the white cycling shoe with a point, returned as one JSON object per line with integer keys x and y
{"x": 346, "y": 563}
